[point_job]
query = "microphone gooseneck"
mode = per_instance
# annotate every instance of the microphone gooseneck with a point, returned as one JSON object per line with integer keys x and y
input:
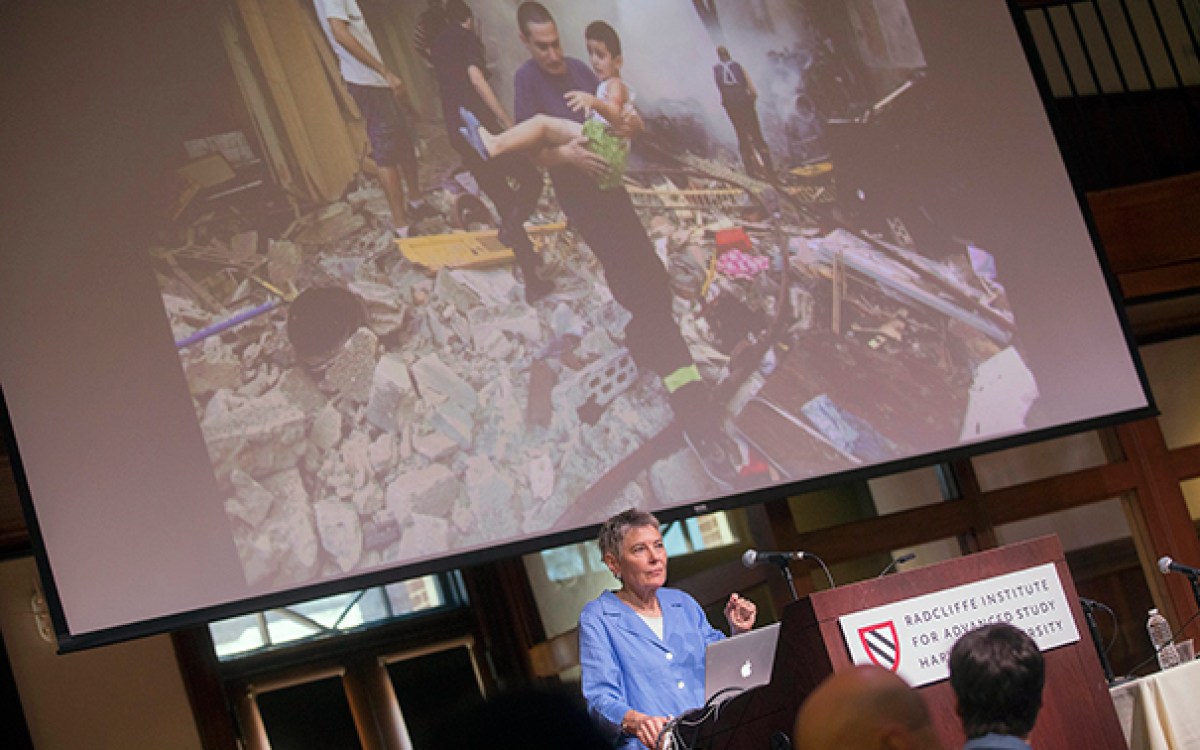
{"x": 752, "y": 557}
{"x": 898, "y": 561}
{"x": 1167, "y": 565}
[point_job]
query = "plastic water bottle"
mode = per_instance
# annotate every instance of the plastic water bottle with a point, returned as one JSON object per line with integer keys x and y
{"x": 1163, "y": 640}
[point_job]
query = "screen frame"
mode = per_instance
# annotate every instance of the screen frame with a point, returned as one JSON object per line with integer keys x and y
{"x": 69, "y": 641}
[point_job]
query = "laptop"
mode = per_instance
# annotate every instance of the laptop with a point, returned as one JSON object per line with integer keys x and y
{"x": 744, "y": 661}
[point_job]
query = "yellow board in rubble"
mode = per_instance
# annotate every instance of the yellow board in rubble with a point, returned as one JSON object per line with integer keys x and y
{"x": 467, "y": 249}
{"x": 812, "y": 170}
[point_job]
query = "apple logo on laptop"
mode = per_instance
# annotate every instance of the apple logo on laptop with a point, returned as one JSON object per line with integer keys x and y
{"x": 747, "y": 670}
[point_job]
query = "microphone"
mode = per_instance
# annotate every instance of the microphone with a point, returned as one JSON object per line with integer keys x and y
{"x": 752, "y": 558}
{"x": 1167, "y": 565}
{"x": 901, "y": 559}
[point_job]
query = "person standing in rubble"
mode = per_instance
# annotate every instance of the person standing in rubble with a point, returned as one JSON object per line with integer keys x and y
{"x": 739, "y": 98}
{"x": 511, "y": 182}
{"x": 378, "y": 92}
{"x": 610, "y": 226}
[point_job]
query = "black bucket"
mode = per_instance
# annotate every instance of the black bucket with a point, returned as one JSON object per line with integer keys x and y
{"x": 320, "y": 320}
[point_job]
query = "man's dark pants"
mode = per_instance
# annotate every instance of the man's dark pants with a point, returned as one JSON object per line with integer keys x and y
{"x": 751, "y": 142}
{"x": 612, "y": 229}
{"x": 514, "y": 186}
{"x": 388, "y": 130}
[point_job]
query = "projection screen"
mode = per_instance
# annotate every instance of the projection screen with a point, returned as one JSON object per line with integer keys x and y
{"x": 848, "y": 248}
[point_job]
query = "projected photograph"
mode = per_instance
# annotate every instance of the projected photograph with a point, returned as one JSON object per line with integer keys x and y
{"x": 544, "y": 263}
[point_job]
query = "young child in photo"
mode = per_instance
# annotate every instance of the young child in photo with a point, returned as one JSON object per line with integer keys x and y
{"x": 609, "y": 104}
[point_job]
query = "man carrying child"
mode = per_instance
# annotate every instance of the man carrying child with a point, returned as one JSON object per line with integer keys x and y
{"x": 610, "y": 226}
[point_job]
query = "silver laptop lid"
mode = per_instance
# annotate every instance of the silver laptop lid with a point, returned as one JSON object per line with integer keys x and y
{"x": 741, "y": 662}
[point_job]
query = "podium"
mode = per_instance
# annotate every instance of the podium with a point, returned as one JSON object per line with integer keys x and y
{"x": 1077, "y": 710}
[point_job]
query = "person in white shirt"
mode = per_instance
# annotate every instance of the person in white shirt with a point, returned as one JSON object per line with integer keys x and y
{"x": 378, "y": 92}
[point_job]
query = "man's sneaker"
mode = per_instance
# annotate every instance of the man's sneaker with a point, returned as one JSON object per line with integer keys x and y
{"x": 716, "y": 453}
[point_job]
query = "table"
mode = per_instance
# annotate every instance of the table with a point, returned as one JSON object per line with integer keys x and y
{"x": 1161, "y": 711}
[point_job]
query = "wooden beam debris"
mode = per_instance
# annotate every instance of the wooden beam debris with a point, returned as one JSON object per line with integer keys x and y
{"x": 853, "y": 253}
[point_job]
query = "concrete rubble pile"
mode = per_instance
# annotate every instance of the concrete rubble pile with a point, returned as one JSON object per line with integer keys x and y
{"x": 414, "y": 433}
{"x": 379, "y": 412}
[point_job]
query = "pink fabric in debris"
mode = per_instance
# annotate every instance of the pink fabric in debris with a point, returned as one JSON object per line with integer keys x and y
{"x": 739, "y": 265}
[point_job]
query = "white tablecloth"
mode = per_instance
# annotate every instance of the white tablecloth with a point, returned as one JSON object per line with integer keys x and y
{"x": 1161, "y": 711}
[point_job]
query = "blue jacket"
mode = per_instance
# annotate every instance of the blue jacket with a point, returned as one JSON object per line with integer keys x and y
{"x": 625, "y": 666}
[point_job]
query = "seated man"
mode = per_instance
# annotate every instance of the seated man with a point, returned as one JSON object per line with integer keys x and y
{"x": 997, "y": 673}
{"x": 865, "y": 708}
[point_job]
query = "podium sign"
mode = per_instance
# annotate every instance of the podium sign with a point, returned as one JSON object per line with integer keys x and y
{"x": 913, "y": 637}
{"x": 908, "y": 623}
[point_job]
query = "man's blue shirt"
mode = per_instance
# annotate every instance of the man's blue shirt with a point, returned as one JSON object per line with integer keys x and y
{"x": 537, "y": 92}
{"x": 626, "y": 666}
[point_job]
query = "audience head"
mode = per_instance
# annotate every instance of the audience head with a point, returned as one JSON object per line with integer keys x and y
{"x": 865, "y": 708}
{"x": 997, "y": 673}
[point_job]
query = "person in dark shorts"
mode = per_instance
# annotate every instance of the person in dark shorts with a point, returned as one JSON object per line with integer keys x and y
{"x": 511, "y": 182}
{"x": 376, "y": 90}
{"x": 610, "y": 226}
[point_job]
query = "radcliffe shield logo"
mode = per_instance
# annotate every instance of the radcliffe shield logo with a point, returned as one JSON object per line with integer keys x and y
{"x": 881, "y": 644}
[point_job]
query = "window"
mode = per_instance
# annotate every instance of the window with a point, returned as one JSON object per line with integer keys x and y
{"x": 309, "y": 715}
{"x": 333, "y": 615}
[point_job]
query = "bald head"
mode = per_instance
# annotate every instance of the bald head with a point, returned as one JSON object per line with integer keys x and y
{"x": 866, "y": 708}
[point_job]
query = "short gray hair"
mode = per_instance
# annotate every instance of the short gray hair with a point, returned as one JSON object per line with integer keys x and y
{"x": 612, "y": 533}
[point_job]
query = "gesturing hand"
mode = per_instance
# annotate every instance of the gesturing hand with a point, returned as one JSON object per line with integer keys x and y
{"x": 578, "y": 100}
{"x": 740, "y": 613}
